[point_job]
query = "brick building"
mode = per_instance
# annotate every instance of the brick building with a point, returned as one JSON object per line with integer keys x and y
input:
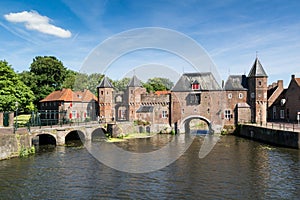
{"x": 241, "y": 99}
{"x": 284, "y": 104}
{"x": 67, "y": 105}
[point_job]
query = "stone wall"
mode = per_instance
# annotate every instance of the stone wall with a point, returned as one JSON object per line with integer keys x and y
{"x": 10, "y": 144}
{"x": 270, "y": 136}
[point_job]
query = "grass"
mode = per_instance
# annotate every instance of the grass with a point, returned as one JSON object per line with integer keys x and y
{"x": 22, "y": 119}
{"x": 131, "y": 136}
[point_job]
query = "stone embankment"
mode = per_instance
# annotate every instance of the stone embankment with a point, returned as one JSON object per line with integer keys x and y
{"x": 11, "y": 144}
{"x": 285, "y": 138}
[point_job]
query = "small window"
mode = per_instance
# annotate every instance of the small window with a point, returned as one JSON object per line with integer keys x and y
{"x": 73, "y": 114}
{"x": 195, "y": 86}
{"x": 164, "y": 114}
{"x": 182, "y": 111}
{"x": 101, "y": 92}
{"x": 119, "y": 99}
{"x": 252, "y": 95}
{"x": 228, "y": 114}
{"x": 281, "y": 114}
{"x": 241, "y": 95}
{"x": 259, "y": 83}
{"x": 229, "y": 96}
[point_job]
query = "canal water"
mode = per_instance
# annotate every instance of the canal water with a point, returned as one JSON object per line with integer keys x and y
{"x": 236, "y": 168}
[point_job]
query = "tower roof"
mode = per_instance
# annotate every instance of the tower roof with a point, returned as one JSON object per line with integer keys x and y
{"x": 105, "y": 83}
{"x": 236, "y": 82}
{"x": 257, "y": 70}
{"x": 134, "y": 82}
{"x": 206, "y": 80}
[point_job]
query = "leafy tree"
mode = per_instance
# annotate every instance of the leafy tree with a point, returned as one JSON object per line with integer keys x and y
{"x": 13, "y": 90}
{"x": 157, "y": 84}
{"x": 120, "y": 85}
{"x": 80, "y": 81}
{"x": 93, "y": 82}
{"x": 48, "y": 75}
{"x": 70, "y": 79}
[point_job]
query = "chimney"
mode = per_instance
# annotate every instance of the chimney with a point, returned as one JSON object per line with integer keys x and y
{"x": 280, "y": 83}
{"x": 293, "y": 76}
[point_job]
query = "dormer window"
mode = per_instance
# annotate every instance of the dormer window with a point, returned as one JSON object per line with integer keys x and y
{"x": 195, "y": 85}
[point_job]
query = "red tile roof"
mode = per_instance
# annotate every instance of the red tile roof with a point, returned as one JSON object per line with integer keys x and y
{"x": 69, "y": 95}
{"x": 163, "y": 92}
{"x": 297, "y": 81}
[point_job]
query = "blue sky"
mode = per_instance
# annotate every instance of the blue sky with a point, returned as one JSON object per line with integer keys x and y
{"x": 230, "y": 31}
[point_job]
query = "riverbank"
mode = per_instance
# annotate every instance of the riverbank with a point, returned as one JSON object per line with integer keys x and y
{"x": 284, "y": 138}
{"x": 131, "y": 136}
{"x": 12, "y": 144}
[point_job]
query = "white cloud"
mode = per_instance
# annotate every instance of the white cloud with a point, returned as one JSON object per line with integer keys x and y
{"x": 34, "y": 21}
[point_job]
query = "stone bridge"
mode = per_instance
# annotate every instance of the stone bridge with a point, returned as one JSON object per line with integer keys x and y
{"x": 59, "y": 134}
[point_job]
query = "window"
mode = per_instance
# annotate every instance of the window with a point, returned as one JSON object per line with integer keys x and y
{"x": 259, "y": 83}
{"x": 228, "y": 114}
{"x": 195, "y": 85}
{"x": 193, "y": 99}
{"x": 252, "y": 95}
{"x": 241, "y": 95}
{"x": 229, "y": 96}
{"x": 73, "y": 114}
{"x": 164, "y": 114}
{"x": 281, "y": 114}
{"x": 101, "y": 92}
{"x": 119, "y": 99}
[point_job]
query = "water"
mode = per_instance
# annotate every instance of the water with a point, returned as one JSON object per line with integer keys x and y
{"x": 235, "y": 169}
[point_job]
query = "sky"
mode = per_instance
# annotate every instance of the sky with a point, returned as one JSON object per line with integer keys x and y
{"x": 231, "y": 32}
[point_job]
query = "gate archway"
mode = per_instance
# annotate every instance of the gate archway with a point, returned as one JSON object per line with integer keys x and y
{"x": 185, "y": 123}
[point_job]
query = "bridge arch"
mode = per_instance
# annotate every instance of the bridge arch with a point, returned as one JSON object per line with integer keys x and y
{"x": 184, "y": 124}
{"x": 44, "y": 139}
{"x": 75, "y": 135}
{"x": 98, "y": 134}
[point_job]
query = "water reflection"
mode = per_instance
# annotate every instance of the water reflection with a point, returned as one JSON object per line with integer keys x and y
{"x": 235, "y": 169}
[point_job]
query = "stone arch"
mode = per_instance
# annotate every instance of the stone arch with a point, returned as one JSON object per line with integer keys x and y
{"x": 98, "y": 134}
{"x": 75, "y": 135}
{"x": 186, "y": 121}
{"x": 44, "y": 139}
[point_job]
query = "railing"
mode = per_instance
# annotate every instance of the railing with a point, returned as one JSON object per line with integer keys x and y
{"x": 279, "y": 126}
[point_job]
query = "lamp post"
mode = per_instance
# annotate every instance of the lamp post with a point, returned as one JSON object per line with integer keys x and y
{"x": 16, "y": 124}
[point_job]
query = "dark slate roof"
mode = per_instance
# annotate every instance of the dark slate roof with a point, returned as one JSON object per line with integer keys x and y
{"x": 257, "y": 70}
{"x": 206, "y": 81}
{"x": 134, "y": 82}
{"x": 105, "y": 83}
{"x": 236, "y": 82}
{"x": 145, "y": 109}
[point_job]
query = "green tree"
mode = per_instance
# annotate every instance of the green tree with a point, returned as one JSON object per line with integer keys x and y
{"x": 79, "y": 81}
{"x": 93, "y": 82}
{"x": 120, "y": 85}
{"x": 70, "y": 79}
{"x": 157, "y": 84}
{"x": 48, "y": 75}
{"x": 13, "y": 90}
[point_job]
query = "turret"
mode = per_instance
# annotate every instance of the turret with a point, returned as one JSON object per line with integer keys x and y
{"x": 257, "y": 92}
{"x": 105, "y": 98}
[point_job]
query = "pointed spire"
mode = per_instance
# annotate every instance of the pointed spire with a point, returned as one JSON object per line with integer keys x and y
{"x": 105, "y": 83}
{"x": 134, "y": 82}
{"x": 257, "y": 69}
